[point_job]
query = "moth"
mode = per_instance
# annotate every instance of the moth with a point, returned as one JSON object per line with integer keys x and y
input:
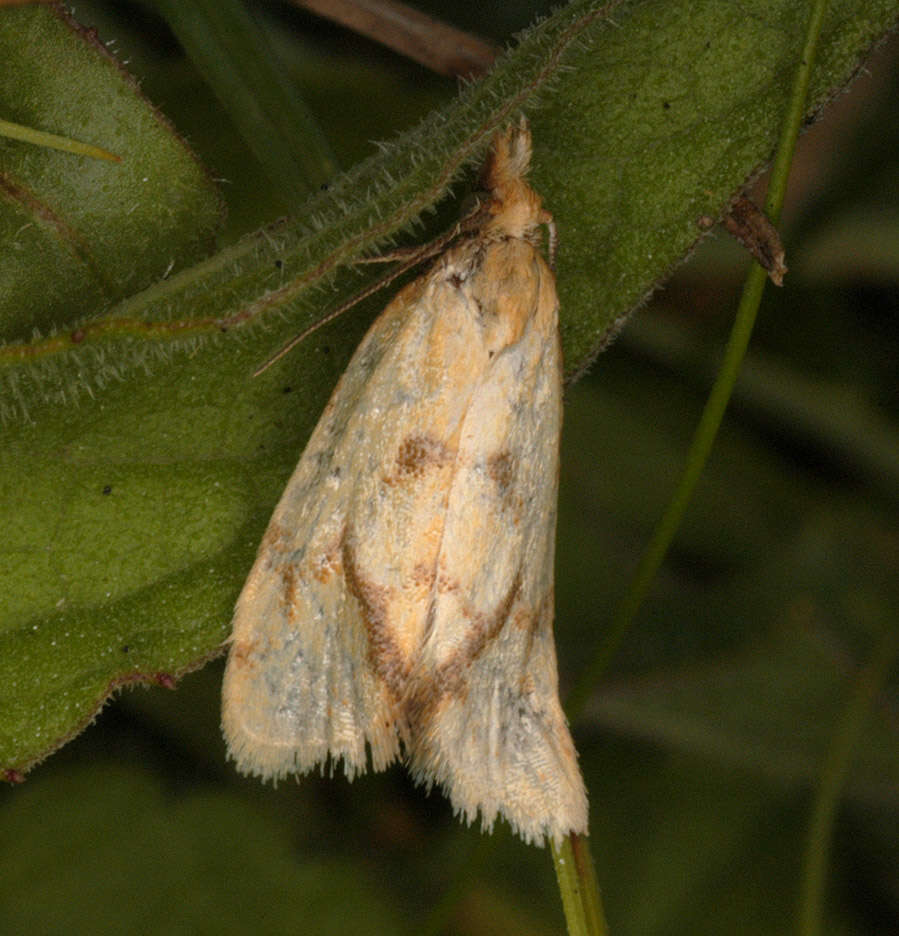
{"x": 401, "y": 603}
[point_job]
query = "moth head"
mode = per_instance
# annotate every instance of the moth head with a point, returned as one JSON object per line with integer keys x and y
{"x": 514, "y": 208}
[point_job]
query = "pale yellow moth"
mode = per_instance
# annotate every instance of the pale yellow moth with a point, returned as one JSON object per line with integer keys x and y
{"x": 401, "y": 603}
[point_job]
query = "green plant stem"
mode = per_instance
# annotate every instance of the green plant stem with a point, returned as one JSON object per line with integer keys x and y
{"x": 783, "y": 158}
{"x": 579, "y": 887}
{"x": 577, "y": 883}
{"x": 810, "y": 910}
{"x": 715, "y": 406}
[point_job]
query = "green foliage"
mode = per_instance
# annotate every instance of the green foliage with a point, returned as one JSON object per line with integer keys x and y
{"x": 140, "y": 462}
{"x": 193, "y": 869}
{"x": 80, "y": 234}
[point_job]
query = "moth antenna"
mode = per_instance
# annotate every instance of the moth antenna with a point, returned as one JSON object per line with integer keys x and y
{"x": 417, "y": 255}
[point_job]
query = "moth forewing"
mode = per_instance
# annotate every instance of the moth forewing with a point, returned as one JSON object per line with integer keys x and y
{"x": 402, "y": 597}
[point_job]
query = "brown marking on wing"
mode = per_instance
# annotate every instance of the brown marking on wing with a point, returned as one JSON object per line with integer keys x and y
{"x": 425, "y": 696}
{"x": 242, "y": 653}
{"x": 418, "y": 453}
{"x": 324, "y": 566}
{"x": 423, "y": 575}
{"x": 272, "y": 539}
{"x": 483, "y": 630}
{"x": 289, "y": 588}
{"x": 446, "y": 585}
{"x": 384, "y": 653}
{"x": 532, "y": 622}
{"x": 526, "y": 685}
{"x": 501, "y": 469}
{"x": 522, "y": 619}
